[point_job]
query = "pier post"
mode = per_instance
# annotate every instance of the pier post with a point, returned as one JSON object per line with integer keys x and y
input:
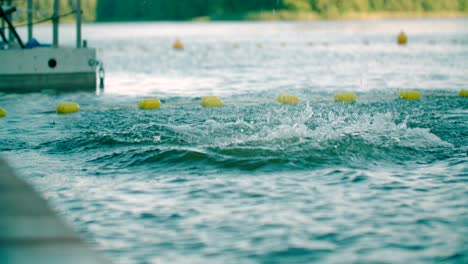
{"x": 55, "y": 21}
{"x": 10, "y": 34}
{"x": 2, "y": 26}
{"x": 78, "y": 24}
{"x": 30, "y": 20}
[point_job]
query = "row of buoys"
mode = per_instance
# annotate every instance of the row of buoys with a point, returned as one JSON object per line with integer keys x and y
{"x": 215, "y": 101}
{"x": 145, "y": 104}
{"x": 402, "y": 39}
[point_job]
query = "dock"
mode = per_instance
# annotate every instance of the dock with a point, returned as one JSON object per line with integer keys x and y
{"x": 31, "y": 232}
{"x": 29, "y": 65}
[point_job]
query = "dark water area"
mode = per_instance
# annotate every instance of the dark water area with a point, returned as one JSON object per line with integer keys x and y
{"x": 381, "y": 180}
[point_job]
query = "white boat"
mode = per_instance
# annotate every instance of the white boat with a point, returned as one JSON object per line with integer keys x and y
{"x": 31, "y": 67}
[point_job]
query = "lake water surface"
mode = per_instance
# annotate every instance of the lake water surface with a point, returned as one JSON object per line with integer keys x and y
{"x": 378, "y": 181}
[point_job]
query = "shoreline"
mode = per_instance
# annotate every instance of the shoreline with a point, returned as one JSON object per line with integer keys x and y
{"x": 310, "y": 16}
{"x": 288, "y": 16}
{"x": 300, "y": 16}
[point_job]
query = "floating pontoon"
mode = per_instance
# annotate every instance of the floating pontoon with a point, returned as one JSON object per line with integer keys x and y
{"x": 31, "y": 67}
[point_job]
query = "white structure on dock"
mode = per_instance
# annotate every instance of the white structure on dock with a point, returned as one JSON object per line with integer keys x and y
{"x": 31, "y": 67}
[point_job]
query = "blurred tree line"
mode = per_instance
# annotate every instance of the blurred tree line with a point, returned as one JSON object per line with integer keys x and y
{"x": 129, "y": 10}
{"x": 43, "y": 9}
{"x": 111, "y": 10}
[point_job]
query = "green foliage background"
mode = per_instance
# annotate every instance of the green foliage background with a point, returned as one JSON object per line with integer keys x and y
{"x": 245, "y": 9}
{"x": 131, "y": 10}
{"x": 44, "y": 9}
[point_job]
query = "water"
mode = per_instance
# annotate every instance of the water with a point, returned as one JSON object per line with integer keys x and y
{"x": 378, "y": 181}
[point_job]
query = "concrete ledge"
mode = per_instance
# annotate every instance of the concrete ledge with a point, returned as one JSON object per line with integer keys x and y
{"x": 30, "y": 232}
{"x": 24, "y": 83}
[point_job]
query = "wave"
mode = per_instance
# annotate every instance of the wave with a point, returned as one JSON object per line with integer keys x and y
{"x": 258, "y": 139}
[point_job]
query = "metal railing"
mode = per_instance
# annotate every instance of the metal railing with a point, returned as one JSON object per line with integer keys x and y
{"x": 4, "y": 15}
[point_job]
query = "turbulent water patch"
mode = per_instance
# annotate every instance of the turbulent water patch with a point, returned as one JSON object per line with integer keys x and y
{"x": 266, "y": 137}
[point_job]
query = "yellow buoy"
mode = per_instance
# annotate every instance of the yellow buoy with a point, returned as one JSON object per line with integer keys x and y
{"x": 178, "y": 45}
{"x": 410, "y": 95}
{"x": 68, "y": 108}
{"x": 287, "y": 99}
{"x": 149, "y": 103}
{"x": 348, "y": 97}
{"x": 402, "y": 38}
{"x": 3, "y": 112}
{"x": 463, "y": 93}
{"x": 211, "y": 101}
